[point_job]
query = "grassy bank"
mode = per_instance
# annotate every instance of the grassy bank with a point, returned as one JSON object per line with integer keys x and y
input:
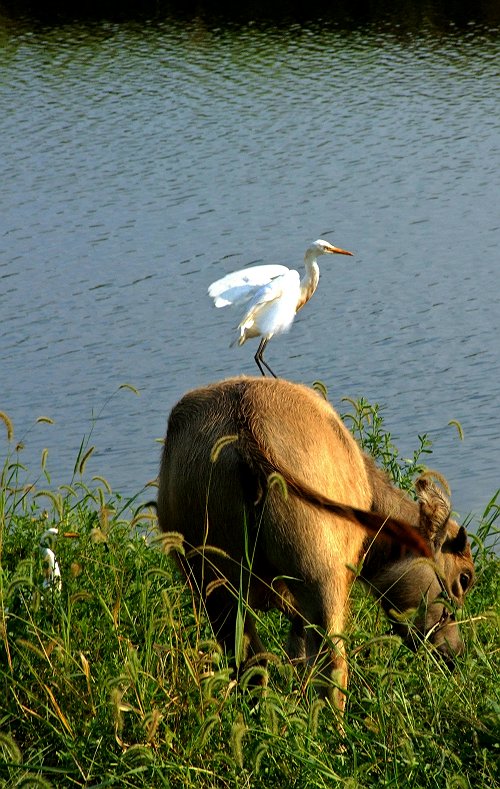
{"x": 115, "y": 680}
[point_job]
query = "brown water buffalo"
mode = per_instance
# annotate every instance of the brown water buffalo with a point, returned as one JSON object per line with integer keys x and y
{"x": 248, "y": 537}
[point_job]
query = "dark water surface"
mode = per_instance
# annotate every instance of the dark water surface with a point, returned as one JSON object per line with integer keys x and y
{"x": 141, "y": 159}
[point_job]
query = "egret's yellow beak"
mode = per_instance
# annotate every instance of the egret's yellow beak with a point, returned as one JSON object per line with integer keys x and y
{"x": 339, "y": 251}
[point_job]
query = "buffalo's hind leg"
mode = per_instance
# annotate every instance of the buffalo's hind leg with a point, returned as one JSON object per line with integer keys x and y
{"x": 296, "y": 645}
{"x": 222, "y": 610}
{"x": 317, "y": 634}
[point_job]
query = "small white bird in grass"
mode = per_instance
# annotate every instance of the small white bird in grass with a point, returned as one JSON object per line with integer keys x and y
{"x": 52, "y": 572}
{"x": 276, "y": 293}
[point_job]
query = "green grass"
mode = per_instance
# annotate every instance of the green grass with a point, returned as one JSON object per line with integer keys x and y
{"x": 116, "y": 680}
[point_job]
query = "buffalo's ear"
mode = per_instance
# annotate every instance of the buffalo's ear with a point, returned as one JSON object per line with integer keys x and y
{"x": 435, "y": 511}
{"x": 458, "y": 543}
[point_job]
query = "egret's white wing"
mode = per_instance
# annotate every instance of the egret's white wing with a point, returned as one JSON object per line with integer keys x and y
{"x": 280, "y": 295}
{"x": 240, "y": 286}
{"x": 269, "y": 292}
{"x": 282, "y": 286}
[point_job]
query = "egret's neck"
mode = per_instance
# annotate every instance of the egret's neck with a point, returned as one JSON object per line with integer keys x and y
{"x": 309, "y": 281}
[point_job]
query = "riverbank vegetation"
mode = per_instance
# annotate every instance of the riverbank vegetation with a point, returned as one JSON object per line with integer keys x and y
{"x": 110, "y": 676}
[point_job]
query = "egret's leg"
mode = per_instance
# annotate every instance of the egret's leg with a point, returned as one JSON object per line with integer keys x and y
{"x": 258, "y": 355}
{"x": 268, "y": 368}
{"x": 260, "y": 361}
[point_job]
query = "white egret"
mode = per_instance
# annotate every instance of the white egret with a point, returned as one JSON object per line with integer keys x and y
{"x": 52, "y": 571}
{"x": 276, "y": 293}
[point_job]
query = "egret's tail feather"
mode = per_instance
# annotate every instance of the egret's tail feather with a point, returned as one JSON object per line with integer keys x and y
{"x": 238, "y": 340}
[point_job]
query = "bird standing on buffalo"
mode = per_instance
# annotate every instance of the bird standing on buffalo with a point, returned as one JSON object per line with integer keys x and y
{"x": 276, "y": 293}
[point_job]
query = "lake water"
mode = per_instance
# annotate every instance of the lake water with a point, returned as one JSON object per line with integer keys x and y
{"x": 143, "y": 158}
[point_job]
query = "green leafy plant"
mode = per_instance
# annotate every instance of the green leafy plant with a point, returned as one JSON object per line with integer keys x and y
{"x": 367, "y": 425}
